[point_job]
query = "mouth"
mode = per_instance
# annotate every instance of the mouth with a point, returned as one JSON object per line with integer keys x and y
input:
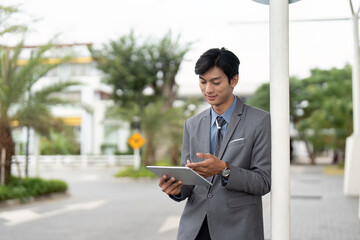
{"x": 210, "y": 98}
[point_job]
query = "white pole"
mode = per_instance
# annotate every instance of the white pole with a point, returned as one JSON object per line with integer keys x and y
{"x": 36, "y": 154}
{"x": 352, "y": 160}
{"x": 356, "y": 75}
{"x": 137, "y": 158}
{"x": 280, "y": 126}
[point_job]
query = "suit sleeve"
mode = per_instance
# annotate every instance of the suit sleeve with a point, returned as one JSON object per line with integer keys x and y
{"x": 257, "y": 179}
{"x": 186, "y": 190}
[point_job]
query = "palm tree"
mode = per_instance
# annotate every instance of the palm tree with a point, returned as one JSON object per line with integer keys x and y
{"x": 6, "y": 26}
{"x": 18, "y": 103}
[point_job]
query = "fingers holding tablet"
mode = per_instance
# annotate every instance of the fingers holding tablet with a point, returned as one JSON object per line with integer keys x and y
{"x": 170, "y": 185}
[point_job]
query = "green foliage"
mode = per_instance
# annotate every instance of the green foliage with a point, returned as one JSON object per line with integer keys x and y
{"x": 143, "y": 172}
{"x": 19, "y": 102}
{"x": 164, "y": 162}
{"x": 131, "y": 67}
{"x": 60, "y": 143}
{"x": 142, "y": 75}
{"x": 6, "y": 25}
{"x": 124, "y": 63}
{"x": 130, "y": 151}
{"x": 23, "y": 189}
{"x": 171, "y": 133}
{"x": 261, "y": 97}
{"x": 328, "y": 108}
{"x": 131, "y": 172}
{"x": 320, "y": 107}
{"x": 23, "y": 104}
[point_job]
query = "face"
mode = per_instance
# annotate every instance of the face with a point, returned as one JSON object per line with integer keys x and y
{"x": 216, "y": 89}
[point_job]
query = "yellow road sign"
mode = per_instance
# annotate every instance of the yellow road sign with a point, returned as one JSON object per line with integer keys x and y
{"x": 136, "y": 141}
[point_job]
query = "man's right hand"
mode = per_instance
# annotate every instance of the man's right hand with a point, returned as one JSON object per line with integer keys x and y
{"x": 170, "y": 186}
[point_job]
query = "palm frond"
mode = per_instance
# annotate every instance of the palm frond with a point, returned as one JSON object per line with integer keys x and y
{"x": 45, "y": 92}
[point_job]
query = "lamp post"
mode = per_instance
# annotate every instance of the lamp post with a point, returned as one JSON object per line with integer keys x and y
{"x": 280, "y": 117}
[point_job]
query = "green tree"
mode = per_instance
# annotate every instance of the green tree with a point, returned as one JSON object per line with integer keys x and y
{"x": 325, "y": 112}
{"x": 19, "y": 103}
{"x": 320, "y": 108}
{"x": 261, "y": 98}
{"x": 131, "y": 68}
{"x": 166, "y": 56}
{"x": 126, "y": 70}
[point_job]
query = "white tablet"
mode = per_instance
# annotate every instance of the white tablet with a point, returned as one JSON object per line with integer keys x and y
{"x": 186, "y": 174}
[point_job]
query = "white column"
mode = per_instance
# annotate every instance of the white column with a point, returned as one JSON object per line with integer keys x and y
{"x": 356, "y": 76}
{"x": 86, "y": 132}
{"x": 36, "y": 154}
{"x": 99, "y": 125}
{"x": 280, "y": 126}
{"x": 352, "y": 154}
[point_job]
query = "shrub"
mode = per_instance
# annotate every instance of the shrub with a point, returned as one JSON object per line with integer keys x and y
{"x": 23, "y": 189}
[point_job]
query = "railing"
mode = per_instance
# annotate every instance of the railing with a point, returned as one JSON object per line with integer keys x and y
{"x": 83, "y": 161}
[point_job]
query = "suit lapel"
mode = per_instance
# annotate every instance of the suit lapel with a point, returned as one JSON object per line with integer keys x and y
{"x": 205, "y": 130}
{"x": 234, "y": 121}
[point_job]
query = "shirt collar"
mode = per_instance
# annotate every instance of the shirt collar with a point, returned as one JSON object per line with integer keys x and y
{"x": 226, "y": 115}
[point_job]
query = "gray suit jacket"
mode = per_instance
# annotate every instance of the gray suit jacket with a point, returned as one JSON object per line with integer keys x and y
{"x": 233, "y": 211}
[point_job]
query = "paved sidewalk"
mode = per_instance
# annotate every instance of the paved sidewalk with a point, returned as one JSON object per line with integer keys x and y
{"x": 319, "y": 209}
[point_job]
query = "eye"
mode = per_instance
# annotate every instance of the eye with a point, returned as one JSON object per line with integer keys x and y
{"x": 217, "y": 83}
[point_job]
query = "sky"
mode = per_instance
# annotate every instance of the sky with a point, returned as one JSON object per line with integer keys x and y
{"x": 206, "y": 23}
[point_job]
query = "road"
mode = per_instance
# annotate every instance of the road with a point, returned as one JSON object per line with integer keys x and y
{"x": 98, "y": 206}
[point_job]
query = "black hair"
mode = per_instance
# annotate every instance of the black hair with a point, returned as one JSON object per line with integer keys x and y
{"x": 222, "y": 58}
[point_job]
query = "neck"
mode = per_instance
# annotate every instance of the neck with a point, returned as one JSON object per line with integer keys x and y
{"x": 220, "y": 109}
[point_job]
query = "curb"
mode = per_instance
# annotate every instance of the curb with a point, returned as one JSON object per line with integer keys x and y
{"x": 18, "y": 202}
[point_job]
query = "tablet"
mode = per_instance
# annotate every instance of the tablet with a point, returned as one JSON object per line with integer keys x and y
{"x": 186, "y": 174}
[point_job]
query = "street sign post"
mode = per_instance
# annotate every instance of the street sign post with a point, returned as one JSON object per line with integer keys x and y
{"x": 136, "y": 141}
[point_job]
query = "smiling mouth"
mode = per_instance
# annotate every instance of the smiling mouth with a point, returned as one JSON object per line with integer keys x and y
{"x": 210, "y": 97}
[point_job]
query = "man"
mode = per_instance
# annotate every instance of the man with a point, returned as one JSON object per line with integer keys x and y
{"x": 234, "y": 154}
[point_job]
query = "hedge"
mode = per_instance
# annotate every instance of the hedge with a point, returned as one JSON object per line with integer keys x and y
{"x": 25, "y": 188}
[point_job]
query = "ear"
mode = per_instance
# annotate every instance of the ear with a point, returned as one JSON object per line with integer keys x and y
{"x": 234, "y": 81}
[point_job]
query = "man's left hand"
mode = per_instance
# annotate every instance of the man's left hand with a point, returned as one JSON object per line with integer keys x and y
{"x": 209, "y": 167}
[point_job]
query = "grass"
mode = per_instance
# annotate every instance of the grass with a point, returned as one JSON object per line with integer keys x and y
{"x": 131, "y": 172}
{"x": 143, "y": 172}
{"x": 336, "y": 170}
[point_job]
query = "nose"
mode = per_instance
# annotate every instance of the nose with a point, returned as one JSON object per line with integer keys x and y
{"x": 209, "y": 88}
